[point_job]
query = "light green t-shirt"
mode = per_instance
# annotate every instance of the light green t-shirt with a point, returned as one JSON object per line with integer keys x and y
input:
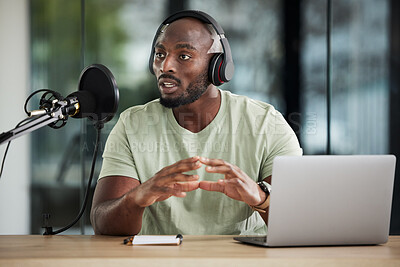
{"x": 245, "y": 132}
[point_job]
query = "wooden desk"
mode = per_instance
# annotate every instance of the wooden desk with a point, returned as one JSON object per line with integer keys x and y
{"x": 36, "y": 250}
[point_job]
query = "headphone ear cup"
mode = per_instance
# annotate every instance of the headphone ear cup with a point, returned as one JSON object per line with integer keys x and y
{"x": 214, "y": 69}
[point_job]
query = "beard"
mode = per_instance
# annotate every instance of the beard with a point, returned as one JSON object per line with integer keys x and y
{"x": 193, "y": 92}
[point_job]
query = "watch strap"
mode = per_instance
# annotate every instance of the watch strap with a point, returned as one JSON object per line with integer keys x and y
{"x": 262, "y": 207}
{"x": 265, "y": 187}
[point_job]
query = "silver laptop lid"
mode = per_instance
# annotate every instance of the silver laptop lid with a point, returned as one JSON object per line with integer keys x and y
{"x": 330, "y": 200}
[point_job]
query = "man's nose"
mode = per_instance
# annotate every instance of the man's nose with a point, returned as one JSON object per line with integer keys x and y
{"x": 168, "y": 65}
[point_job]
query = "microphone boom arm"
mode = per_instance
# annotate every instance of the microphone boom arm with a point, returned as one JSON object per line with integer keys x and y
{"x": 35, "y": 123}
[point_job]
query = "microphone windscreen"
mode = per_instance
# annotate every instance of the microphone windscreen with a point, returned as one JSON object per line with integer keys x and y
{"x": 99, "y": 81}
{"x": 87, "y": 104}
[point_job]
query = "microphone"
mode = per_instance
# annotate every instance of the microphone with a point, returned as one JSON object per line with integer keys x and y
{"x": 81, "y": 104}
{"x": 97, "y": 98}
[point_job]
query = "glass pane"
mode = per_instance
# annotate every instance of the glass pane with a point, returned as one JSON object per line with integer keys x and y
{"x": 313, "y": 76}
{"x": 119, "y": 35}
{"x": 56, "y": 64}
{"x": 359, "y": 77}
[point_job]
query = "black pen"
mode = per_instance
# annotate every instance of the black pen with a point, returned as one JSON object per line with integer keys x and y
{"x": 128, "y": 241}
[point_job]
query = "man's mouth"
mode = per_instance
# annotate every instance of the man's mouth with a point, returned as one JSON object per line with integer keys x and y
{"x": 167, "y": 85}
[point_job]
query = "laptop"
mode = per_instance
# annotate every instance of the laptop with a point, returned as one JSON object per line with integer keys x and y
{"x": 329, "y": 200}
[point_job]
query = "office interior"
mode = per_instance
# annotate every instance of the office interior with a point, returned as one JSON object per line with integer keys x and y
{"x": 331, "y": 67}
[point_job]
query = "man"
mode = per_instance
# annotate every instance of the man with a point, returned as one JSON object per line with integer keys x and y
{"x": 190, "y": 161}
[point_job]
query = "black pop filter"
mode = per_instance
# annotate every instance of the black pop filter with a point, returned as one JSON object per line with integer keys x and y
{"x": 97, "y": 83}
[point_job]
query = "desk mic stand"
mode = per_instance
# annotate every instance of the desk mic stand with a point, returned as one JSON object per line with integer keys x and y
{"x": 98, "y": 100}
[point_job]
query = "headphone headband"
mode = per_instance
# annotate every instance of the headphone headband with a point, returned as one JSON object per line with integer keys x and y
{"x": 221, "y": 68}
{"x": 197, "y": 14}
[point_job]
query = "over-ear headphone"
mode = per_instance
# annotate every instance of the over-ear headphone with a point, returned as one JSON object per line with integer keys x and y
{"x": 221, "y": 66}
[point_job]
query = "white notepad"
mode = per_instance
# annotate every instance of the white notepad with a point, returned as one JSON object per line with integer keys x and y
{"x": 155, "y": 240}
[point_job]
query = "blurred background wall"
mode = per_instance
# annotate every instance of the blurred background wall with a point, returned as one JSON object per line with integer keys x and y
{"x": 330, "y": 66}
{"x": 14, "y": 88}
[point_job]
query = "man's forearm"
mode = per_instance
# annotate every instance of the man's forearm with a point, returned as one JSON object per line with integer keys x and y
{"x": 117, "y": 217}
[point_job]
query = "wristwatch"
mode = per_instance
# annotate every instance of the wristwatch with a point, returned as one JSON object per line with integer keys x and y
{"x": 267, "y": 190}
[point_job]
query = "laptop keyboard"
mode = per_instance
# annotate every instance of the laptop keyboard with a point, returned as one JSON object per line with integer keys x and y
{"x": 261, "y": 239}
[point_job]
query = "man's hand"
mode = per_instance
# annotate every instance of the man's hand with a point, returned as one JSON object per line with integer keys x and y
{"x": 170, "y": 181}
{"x": 236, "y": 185}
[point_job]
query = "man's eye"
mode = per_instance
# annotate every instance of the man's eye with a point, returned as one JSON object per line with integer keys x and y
{"x": 159, "y": 55}
{"x": 184, "y": 57}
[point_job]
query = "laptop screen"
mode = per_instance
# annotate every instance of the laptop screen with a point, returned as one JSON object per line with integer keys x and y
{"x": 330, "y": 200}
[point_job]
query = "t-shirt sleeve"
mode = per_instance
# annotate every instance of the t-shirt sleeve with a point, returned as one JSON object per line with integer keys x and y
{"x": 280, "y": 141}
{"x": 117, "y": 157}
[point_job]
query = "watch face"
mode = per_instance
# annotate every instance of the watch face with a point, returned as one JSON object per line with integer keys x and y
{"x": 265, "y": 187}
